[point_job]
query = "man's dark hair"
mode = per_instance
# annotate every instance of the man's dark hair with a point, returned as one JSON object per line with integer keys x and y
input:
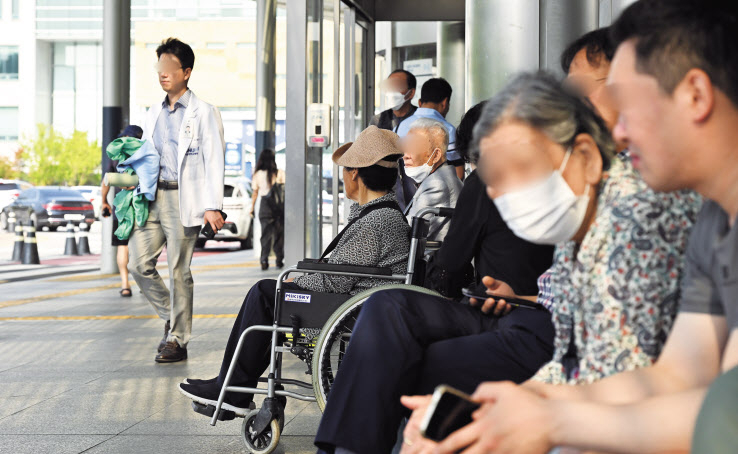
{"x": 378, "y": 178}
{"x": 465, "y": 132}
{"x": 597, "y": 44}
{"x": 179, "y": 49}
{"x": 674, "y": 36}
{"x": 411, "y": 81}
{"x": 435, "y": 90}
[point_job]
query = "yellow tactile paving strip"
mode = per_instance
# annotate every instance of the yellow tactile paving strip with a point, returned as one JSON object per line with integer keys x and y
{"x": 105, "y": 317}
{"x": 82, "y": 278}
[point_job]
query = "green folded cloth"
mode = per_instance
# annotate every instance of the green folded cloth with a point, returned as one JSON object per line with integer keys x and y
{"x": 130, "y": 209}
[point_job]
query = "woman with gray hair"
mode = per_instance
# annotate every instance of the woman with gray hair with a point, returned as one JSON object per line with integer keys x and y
{"x": 612, "y": 292}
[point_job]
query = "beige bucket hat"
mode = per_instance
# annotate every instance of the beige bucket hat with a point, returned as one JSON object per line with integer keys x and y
{"x": 372, "y": 145}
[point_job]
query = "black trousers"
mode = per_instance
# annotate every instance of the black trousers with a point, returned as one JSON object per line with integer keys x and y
{"x": 272, "y": 233}
{"x": 405, "y": 342}
{"x": 257, "y": 309}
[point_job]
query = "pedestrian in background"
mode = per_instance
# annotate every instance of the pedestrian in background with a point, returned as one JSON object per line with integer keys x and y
{"x": 107, "y": 210}
{"x": 267, "y": 187}
{"x": 188, "y": 134}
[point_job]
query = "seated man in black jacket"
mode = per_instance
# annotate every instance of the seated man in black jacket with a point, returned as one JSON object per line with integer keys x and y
{"x": 471, "y": 349}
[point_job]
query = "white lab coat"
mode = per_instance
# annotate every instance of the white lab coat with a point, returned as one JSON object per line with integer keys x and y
{"x": 200, "y": 159}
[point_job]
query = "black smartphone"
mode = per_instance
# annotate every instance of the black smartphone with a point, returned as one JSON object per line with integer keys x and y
{"x": 105, "y": 212}
{"x": 207, "y": 230}
{"x": 449, "y": 411}
{"x": 517, "y": 302}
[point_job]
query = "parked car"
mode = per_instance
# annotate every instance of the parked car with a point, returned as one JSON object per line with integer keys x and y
{"x": 237, "y": 207}
{"x": 49, "y": 206}
{"x": 94, "y": 195}
{"x": 9, "y": 190}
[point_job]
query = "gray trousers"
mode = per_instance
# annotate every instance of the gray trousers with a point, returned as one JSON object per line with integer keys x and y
{"x": 163, "y": 227}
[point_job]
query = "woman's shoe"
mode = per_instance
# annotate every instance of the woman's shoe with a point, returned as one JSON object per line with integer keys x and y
{"x": 195, "y": 381}
{"x": 126, "y": 293}
{"x": 264, "y": 266}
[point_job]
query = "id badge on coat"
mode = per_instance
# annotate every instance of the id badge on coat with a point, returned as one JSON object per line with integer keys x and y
{"x": 188, "y": 130}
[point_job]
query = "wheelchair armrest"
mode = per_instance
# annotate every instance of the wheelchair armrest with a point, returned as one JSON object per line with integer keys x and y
{"x": 317, "y": 267}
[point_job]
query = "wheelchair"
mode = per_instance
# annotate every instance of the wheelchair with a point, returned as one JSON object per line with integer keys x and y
{"x": 315, "y": 327}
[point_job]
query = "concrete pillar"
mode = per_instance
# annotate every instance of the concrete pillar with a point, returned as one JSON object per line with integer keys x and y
{"x": 314, "y": 167}
{"x": 116, "y": 90}
{"x": 501, "y": 39}
{"x": 266, "y": 24}
{"x": 561, "y": 22}
{"x": 451, "y": 65}
{"x": 611, "y": 9}
{"x": 295, "y": 208}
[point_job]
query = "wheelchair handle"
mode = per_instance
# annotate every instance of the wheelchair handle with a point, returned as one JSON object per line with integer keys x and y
{"x": 443, "y": 212}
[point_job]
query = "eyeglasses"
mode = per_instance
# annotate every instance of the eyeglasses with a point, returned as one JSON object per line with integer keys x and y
{"x": 162, "y": 68}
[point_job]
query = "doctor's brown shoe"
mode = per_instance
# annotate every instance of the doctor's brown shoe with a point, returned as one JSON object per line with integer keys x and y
{"x": 171, "y": 353}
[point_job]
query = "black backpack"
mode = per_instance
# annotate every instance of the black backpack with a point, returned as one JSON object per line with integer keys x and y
{"x": 275, "y": 200}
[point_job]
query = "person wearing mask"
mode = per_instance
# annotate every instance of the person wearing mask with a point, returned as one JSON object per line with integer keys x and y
{"x": 546, "y": 158}
{"x": 424, "y": 155}
{"x": 478, "y": 234}
{"x": 271, "y": 218}
{"x": 379, "y": 236}
{"x": 399, "y": 91}
{"x": 121, "y": 245}
{"x": 188, "y": 135}
{"x": 673, "y": 79}
{"x": 435, "y": 102}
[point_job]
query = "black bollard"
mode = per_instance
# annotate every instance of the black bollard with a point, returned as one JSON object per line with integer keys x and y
{"x": 83, "y": 244}
{"x": 30, "y": 248}
{"x": 18, "y": 245}
{"x": 70, "y": 248}
{"x": 11, "y": 224}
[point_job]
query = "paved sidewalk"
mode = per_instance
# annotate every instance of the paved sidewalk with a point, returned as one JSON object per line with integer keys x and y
{"x": 77, "y": 371}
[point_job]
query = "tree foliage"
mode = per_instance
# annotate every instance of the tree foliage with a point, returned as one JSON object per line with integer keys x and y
{"x": 53, "y": 159}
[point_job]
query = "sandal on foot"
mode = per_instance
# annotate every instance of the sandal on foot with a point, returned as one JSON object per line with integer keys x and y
{"x": 126, "y": 292}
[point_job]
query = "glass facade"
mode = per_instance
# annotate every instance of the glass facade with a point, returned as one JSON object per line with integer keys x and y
{"x": 77, "y": 87}
{"x": 8, "y": 62}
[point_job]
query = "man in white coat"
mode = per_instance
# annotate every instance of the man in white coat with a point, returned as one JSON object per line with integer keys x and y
{"x": 188, "y": 134}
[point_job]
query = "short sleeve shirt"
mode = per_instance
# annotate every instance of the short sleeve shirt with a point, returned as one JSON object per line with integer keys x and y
{"x": 710, "y": 284}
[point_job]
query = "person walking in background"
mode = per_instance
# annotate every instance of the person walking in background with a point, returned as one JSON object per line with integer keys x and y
{"x": 107, "y": 210}
{"x": 267, "y": 187}
{"x": 188, "y": 134}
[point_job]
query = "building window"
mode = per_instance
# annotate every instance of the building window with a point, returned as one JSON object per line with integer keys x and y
{"x": 16, "y": 7}
{"x": 8, "y": 123}
{"x": 8, "y": 62}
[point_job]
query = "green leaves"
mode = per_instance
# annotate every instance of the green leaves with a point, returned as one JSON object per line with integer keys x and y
{"x": 53, "y": 159}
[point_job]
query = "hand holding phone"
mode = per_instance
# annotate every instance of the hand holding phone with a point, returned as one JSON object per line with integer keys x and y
{"x": 513, "y": 301}
{"x": 449, "y": 411}
{"x": 207, "y": 230}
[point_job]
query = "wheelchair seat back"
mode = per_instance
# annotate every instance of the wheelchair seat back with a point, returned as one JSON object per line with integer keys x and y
{"x": 312, "y": 308}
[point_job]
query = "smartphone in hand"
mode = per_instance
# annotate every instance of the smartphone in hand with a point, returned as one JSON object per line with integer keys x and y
{"x": 207, "y": 230}
{"x": 449, "y": 411}
{"x": 513, "y": 301}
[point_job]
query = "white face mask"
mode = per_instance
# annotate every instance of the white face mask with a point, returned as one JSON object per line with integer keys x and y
{"x": 394, "y": 100}
{"x": 545, "y": 212}
{"x": 420, "y": 173}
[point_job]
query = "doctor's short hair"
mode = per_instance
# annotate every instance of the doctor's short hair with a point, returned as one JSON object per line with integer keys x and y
{"x": 181, "y": 50}
{"x": 541, "y": 102}
{"x": 434, "y": 130}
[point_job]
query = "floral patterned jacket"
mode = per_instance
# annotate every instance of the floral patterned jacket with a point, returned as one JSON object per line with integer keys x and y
{"x": 616, "y": 296}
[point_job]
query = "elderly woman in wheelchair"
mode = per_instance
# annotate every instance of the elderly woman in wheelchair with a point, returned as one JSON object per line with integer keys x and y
{"x": 377, "y": 235}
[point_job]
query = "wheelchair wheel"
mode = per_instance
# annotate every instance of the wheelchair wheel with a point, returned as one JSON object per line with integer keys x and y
{"x": 334, "y": 339}
{"x": 264, "y": 443}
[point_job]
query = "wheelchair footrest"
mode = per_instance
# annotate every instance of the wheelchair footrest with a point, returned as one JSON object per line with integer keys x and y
{"x": 209, "y": 410}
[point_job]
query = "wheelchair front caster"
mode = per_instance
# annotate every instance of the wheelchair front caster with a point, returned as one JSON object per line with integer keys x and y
{"x": 263, "y": 443}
